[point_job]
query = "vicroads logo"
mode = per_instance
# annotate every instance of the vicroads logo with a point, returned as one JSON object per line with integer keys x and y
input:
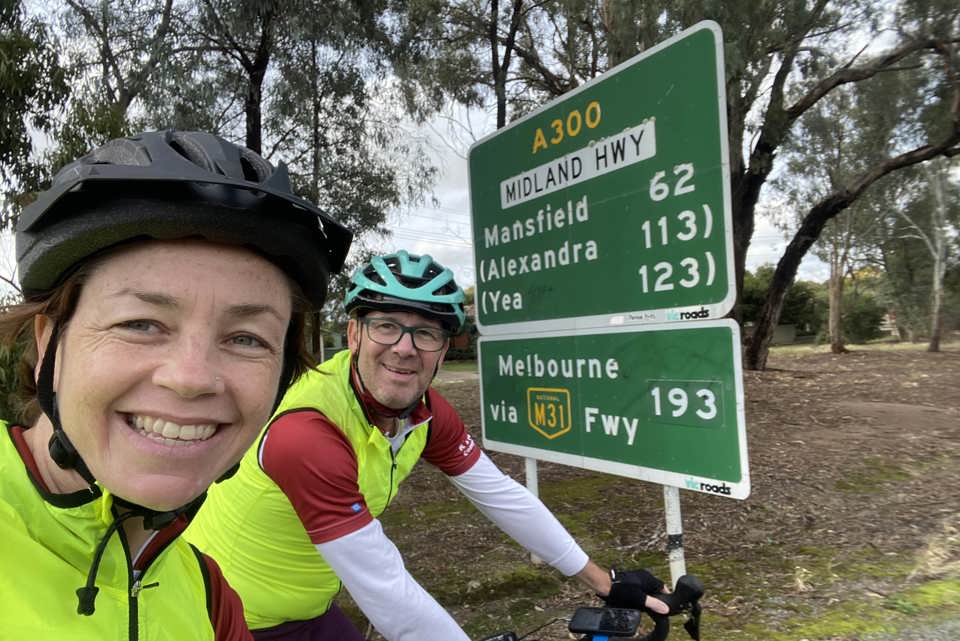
{"x": 700, "y": 486}
{"x": 675, "y": 314}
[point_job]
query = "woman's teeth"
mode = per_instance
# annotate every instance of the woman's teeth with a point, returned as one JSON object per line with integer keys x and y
{"x": 167, "y": 430}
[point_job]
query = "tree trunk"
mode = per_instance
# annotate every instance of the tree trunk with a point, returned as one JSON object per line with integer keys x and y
{"x": 256, "y": 72}
{"x": 836, "y": 311}
{"x": 939, "y": 229}
{"x": 936, "y": 316}
{"x": 315, "y": 125}
{"x": 252, "y": 109}
{"x": 758, "y": 347}
{"x": 316, "y": 337}
{"x": 500, "y": 67}
{"x": 745, "y": 192}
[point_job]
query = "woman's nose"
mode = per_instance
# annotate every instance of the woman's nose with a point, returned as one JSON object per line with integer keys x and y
{"x": 191, "y": 369}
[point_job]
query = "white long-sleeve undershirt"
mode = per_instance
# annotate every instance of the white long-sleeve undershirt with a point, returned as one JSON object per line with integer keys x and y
{"x": 370, "y": 567}
{"x": 521, "y": 515}
{"x": 372, "y": 570}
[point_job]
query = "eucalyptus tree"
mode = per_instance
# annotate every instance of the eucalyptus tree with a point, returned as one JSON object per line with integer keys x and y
{"x": 309, "y": 82}
{"x": 339, "y": 117}
{"x": 937, "y": 242}
{"x": 927, "y": 38}
{"x": 844, "y": 134}
{"x": 933, "y": 219}
{"x": 116, "y": 51}
{"x": 907, "y": 275}
{"x": 32, "y": 88}
{"x": 782, "y": 58}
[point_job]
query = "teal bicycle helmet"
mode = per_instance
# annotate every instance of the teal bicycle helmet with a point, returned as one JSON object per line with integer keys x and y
{"x": 407, "y": 282}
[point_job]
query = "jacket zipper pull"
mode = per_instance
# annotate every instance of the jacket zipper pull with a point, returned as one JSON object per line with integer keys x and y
{"x": 137, "y": 588}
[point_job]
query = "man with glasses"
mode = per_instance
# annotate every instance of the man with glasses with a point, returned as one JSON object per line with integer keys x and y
{"x": 300, "y": 517}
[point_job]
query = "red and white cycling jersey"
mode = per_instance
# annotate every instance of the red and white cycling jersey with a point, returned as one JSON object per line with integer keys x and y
{"x": 315, "y": 466}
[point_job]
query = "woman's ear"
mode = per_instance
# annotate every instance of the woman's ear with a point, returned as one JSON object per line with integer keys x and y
{"x": 42, "y": 331}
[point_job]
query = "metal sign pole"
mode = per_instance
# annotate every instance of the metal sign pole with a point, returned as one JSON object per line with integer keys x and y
{"x": 533, "y": 484}
{"x": 530, "y": 467}
{"x": 671, "y": 505}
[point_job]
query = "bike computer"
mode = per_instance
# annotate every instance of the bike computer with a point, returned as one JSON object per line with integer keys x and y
{"x": 605, "y": 621}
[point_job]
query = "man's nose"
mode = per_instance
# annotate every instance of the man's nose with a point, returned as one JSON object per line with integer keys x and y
{"x": 405, "y": 345}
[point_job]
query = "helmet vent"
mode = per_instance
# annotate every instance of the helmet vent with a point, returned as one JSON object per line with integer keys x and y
{"x": 192, "y": 151}
{"x": 249, "y": 173}
{"x": 255, "y": 168}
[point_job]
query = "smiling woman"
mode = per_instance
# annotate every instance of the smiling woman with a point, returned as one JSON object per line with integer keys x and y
{"x": 170, "y": 382}
{"x": 166, "y": 279}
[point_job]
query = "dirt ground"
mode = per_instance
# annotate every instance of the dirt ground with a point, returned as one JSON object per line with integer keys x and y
{"x": 855, "y": 470}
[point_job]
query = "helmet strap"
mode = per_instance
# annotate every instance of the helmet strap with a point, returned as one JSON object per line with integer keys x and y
{"x": 152, "y": 520}
{"x": 61, "y": 449}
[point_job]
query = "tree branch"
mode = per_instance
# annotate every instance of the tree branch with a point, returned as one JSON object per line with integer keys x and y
{"x": 99, "y": 31}
{"x": 848, "y": 74}
{"x": 231, "y": 44}
{"x": 11, "y": 283}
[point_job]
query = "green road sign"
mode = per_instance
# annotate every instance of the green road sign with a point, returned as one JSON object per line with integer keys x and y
{"x": 610, "y": 205}
{"x": 661, "y": 403}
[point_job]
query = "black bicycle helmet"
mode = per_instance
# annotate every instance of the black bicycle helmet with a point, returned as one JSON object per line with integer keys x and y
{"x": 407, "y": 281}
{"x": 176, "y": 184}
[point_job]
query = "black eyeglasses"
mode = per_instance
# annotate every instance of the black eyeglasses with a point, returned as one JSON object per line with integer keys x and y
{"x": 387, "y": 332}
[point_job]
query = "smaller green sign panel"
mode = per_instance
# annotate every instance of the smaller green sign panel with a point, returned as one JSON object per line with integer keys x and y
{"x": 661, "y": 403}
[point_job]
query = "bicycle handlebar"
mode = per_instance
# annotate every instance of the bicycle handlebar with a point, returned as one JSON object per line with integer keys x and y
{"x": 599, "y": 623}
{"x": 685, "y": 598}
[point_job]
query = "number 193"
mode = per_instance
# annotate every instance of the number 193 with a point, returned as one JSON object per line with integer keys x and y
{"x": 678, "y": 402}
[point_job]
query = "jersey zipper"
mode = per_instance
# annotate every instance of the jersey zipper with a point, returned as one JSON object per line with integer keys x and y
{"x": 133, "y": 629}
{"x": 393, "y": 465}
{"x": 393, "y": 468}
{"x": 135, "y": 588}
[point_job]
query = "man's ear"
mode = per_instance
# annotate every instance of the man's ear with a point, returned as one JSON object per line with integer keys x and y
{"x": 43, "y": 332}
{"x": 443, "y": 353}
{"x": 353, "y": 335}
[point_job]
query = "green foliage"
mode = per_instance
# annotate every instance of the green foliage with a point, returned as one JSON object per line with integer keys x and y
{"x": 306, "y": 80}
{"x": 804, "y": 305}
{"x": 32, "y": 86}
{"x": 9, "y": 358}
{"x": 9, "y": 361}
{"x": 905, "y": 241}
{"x": 862, "y": 318}
{"x": 951, "y": 305}
{"x": 863, "y": 309}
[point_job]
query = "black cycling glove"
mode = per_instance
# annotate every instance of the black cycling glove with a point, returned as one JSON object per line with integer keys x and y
{"x": 630, "y": 589}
